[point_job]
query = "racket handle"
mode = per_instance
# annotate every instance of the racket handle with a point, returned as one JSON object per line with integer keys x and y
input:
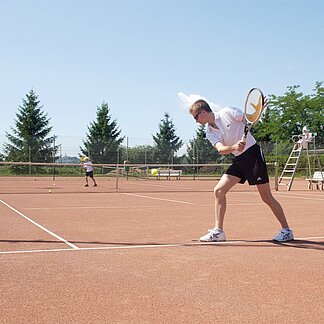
{"x": 245, "y": 132}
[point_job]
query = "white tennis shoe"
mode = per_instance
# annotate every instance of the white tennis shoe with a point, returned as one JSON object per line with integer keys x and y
{"x": 286, "y": 234}
{"x": 213, "y": 235}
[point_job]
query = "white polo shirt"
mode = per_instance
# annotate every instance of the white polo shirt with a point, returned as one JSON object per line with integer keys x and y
{"x": 230, "y": 129}
{"x": 88, "y": 166}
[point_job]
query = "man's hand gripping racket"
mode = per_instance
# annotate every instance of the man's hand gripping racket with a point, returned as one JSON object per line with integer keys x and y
{"x": 255, "y": 104}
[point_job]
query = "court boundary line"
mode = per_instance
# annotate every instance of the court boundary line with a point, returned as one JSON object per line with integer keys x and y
{"x": 156, "y": 198}
{"x": 302, "y": 197}
{"x": 40, "y": 226}
{"x": 152, "y": 246}
{"x": 148, "y": 207}
{"x": 87, "y": 207}
{"x": 286, "y": 195}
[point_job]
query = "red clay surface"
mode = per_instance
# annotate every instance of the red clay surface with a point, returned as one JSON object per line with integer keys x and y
{"x": 131, "y": 255}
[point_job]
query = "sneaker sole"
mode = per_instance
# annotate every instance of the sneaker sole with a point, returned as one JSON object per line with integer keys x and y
{"x": 283, "y": 240}
{"x": 212, "y": 241}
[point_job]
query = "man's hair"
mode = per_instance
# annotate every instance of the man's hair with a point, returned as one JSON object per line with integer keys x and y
{"x": 200, "y": 105}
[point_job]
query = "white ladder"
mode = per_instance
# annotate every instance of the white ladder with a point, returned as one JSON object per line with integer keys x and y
{"x": 288, "y": 174}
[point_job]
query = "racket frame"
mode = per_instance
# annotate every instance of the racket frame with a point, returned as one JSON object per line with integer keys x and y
{"x": 248, "y": 128}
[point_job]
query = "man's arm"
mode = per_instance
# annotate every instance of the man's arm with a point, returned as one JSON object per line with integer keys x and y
{"x": 224, "y": 149}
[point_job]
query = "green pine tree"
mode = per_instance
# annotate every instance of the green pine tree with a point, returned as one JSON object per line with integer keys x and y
{"x": 200, "y": 150}
{"x": 103, "y": 138}
{"x": 166, "y": 141}
{"x": 29, "y": 140}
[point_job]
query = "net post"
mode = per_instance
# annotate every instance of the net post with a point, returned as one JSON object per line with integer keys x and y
{"x": 117, "y": 176}
{"x": 276, "y": 175}
{"x": 54, "y": 151}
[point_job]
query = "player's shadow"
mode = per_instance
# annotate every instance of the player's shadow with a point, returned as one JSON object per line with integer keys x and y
{"x": 89, "y": 242}
{"x": 302, "y": 244}
{"x": 299, "y": 244}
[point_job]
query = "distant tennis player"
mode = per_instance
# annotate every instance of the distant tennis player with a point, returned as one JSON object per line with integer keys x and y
{"x": 224, "y": 131}
{"x": 87, "y": 165}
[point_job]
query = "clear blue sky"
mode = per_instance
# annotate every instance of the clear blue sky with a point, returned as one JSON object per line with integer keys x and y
{"x": 138, "y": 55}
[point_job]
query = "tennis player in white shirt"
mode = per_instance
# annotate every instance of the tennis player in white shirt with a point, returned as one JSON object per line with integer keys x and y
{"x": 224, "y": 131}
{"x": 87, "y": 165}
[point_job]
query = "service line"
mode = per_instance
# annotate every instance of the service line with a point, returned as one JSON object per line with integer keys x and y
{"x": 163, "y": 199}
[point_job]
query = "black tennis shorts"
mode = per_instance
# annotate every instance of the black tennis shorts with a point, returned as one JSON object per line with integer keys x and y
{"x": 250, "y": 166}
{"x": 89, "y": 174}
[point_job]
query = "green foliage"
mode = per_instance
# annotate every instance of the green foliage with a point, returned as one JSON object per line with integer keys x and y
{"x": 286, "y": 115}
{"x": 39, "y": 170}
{"x": 29, "y": 141}
{"x": 166, "y": 140}
{"x": 103, "y": 138}
{"x": 200, "y": 150}
{"x": 141, "y": 154}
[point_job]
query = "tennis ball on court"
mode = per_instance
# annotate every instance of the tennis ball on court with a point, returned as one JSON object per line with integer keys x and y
{"x": 154, "y": 172}
{"x": 50, "y": 191}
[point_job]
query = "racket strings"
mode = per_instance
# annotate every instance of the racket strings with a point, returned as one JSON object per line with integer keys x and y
{"x": 254, "y": 106}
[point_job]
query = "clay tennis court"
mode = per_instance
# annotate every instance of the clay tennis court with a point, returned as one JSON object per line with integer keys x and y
{"x": 101, "y": 255}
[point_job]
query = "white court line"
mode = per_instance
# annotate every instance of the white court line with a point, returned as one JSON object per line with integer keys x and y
{"x": 172, "y": 186}
{"x": 302, "y": 197}
{"x": 137, "y": 207}
{"x": 167, "y": 185}
{"x": 40, "y": 226}
{"x": 88, "y": 207}
{"x": 155, "y": 198}
{"x": 157, "y": 246}
{"x": 148, "y": 207}
{"x": 281, "y": 194}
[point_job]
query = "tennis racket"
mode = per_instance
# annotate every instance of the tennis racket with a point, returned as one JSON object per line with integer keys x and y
{"x": 254, "y": 106}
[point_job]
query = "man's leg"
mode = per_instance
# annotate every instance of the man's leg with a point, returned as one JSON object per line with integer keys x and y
{"x": 223, "y": 186}
{"x": 267, "y": 197}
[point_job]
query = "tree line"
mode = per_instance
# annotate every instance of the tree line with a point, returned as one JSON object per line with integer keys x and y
{"x": 30, "y": 139}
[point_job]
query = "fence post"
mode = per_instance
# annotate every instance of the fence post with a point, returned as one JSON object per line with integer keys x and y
{"x": 276, "y": 175}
